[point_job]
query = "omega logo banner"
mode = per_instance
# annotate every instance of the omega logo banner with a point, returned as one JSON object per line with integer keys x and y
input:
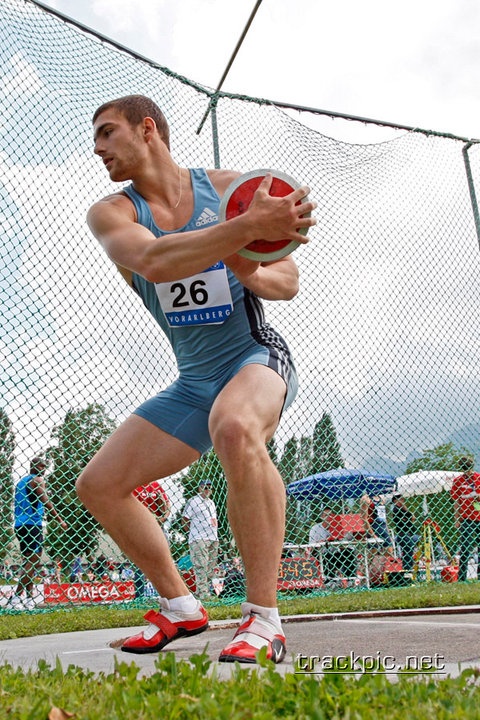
{"x": 103, "y": 592}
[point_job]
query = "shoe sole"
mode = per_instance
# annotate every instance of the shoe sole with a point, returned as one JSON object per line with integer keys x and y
{"x": 234, "y": 658}
{"x": 159, "y": 646}
{"x": 278, "y": 653}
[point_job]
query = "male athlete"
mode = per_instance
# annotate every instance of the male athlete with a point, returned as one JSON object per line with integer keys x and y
{"x": 236, "y": 374}
{"x": 30, "y": 502}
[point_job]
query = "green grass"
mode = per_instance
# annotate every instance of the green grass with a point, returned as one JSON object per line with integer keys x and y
{"x": 180, "y": 689}
{"x": 18, "y": 625}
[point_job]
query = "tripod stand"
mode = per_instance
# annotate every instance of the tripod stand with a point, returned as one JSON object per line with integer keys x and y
{"x": 425, "y": 548}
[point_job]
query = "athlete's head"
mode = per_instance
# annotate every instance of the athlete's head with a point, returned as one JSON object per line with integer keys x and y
{"x": 466, "y": 463}
{"x": 135, "y": 108}
{"x": 37, "y": 466}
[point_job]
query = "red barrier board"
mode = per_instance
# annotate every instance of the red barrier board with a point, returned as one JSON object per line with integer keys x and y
{"x": 89, "y": 592}
{"x": 341, "y": 525}
{"x": 299, "y": 572}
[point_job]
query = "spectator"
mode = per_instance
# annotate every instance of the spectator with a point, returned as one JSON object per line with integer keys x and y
{"x": 465, "y": 494}
{"x": 76, "y": 573}
{"x": 31, "y": 499}
{"x": 234, "y": 583}
{"x": 154, "y": 497}
{"x": 100, "y": 568}
{"x": 58, "y": 572}
{"x": 406, "y": 534}
{"x": 374, "y": 514}
{"x": 127, "y": 572}
{"x": 339, "y": 560}
{"x": 200, "y": 519}
{"x": 321, "y": 531}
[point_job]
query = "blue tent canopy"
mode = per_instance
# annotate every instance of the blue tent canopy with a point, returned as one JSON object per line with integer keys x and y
{"x": 340, "y": 484}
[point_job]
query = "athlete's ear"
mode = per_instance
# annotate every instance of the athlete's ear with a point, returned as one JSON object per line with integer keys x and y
{"x": 149, "y": 128}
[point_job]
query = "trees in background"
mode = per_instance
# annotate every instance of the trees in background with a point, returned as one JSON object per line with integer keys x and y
{"x": 75, "y": 440}
{"x": 73, "y": 443}
{"x": 7, "y": 457}
{"x": 442, "y": 457}
{"x": 311, "y": 454}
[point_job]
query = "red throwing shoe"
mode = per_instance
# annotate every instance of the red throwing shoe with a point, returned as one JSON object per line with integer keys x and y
{"x": 164, "y": 627}
{"x": 254, "y": 633}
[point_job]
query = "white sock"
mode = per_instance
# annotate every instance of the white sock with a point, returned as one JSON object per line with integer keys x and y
{"x": 183, "y": 603}
{"x": 268, "y": 613}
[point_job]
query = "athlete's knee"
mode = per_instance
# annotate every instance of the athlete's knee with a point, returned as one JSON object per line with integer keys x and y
{"x": 233, "y": 432}
{"x": 94, "y": 486}
{"x": 86, "y": 486}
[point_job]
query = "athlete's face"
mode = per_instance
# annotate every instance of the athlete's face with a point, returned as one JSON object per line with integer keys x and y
{"x": 118, "y": 144}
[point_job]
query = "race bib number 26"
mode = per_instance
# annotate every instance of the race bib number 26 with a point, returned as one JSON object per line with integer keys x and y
{"x": 201, "y": 299}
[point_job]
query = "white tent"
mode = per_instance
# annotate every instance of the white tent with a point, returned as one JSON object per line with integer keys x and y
{"x": 425, "y": 482}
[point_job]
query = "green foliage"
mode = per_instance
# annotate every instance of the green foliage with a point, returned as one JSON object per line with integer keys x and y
{"x": 326, "y": 454}
{"x": 273, "y": 451}
{"x": 288, "y": 463}
{"x": 7, "y": 457}
{"x": 304, "y": 456}
{"x": 311, "y": 455}
{"x": 442, "y": 457}
{"x": 73, "y": 443}
{"x": 182, "y": 690}
{"x": 81, "y": 434}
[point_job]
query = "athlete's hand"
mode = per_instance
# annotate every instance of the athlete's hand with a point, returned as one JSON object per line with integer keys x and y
{"x": 280, "y": 217}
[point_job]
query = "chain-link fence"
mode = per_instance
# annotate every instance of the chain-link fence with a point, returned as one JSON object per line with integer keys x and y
{"x": 384, "y": 330}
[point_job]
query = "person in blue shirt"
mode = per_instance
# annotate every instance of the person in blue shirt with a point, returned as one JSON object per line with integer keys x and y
{"x": 236, "y": 373}
{"x": 30, "y": 501}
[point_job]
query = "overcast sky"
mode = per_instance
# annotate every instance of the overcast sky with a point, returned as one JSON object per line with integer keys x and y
{"x": 362, "y": 65}
{"x": 412, "y": 63}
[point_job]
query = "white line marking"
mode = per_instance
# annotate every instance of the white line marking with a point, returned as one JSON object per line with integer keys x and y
{"x": 432, "y": 623}
{"x": 79, "y": 652}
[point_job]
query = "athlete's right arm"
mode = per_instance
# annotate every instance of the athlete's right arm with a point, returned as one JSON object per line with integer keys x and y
{"x": 179, "y": 255}
{"x": 38, "y": 486}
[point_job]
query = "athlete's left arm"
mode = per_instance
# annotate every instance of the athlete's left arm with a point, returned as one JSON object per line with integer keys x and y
{"x": 277, "y": 280}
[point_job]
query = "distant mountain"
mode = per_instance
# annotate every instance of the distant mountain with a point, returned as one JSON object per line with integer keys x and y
{"x": 384, "y": 465}
{"x": 467, "y": 437}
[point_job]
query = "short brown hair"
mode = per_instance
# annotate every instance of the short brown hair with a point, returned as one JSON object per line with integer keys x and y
{"x": 466, "y": 463}
{"x": 135, "y": 108}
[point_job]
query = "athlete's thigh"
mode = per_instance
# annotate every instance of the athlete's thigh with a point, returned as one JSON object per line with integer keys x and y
{"x": 137, "y": 453}
{"x": 256, "y": 393}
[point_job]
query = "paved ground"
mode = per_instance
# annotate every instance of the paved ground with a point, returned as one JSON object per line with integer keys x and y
{"x": 444, "y": 638}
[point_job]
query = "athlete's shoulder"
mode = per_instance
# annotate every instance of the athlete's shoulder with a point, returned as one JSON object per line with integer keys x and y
{"x": 116, "y": 207}
{"x": 115, "y": 200}
{"x": 221, "y": 179}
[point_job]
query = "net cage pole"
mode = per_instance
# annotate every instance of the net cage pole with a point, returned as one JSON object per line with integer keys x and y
{"x": 471, "y": 186}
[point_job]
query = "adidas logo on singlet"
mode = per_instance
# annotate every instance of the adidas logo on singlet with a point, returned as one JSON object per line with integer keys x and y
{"x": 206, "y": 217}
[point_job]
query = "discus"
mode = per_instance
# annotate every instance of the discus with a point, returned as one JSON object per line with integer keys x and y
{"x": 237, "y": 199}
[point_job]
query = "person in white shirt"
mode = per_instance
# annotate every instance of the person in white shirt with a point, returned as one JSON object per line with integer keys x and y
{"x": 200, "y": 519}
{"x": 320, "y": 531}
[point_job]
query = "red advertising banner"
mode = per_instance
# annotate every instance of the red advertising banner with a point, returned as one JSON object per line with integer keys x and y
{"x": 299, "y": 572}
{"x": 89, "y": 592}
